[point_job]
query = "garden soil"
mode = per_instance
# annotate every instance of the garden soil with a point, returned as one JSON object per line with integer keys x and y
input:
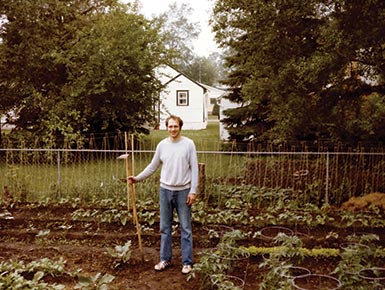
{"x": 83, "y": 246}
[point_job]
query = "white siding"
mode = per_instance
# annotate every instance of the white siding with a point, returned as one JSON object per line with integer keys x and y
{"x": 224, "y": 104}
{"x": 194, "y": 115}
{"x": 213, "y": 93}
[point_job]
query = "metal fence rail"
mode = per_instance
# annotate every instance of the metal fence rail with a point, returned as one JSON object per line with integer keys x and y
{"x": 317, "y": 177}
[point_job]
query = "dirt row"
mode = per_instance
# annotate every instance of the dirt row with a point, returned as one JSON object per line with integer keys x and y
{"x": 83, "y": 243}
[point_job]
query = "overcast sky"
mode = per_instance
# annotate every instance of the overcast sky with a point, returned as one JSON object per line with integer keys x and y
{"x": 202, "y": 10}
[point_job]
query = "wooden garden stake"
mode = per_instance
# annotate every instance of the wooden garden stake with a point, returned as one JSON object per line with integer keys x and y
{"x": 127, "y": 170}
{"x": 131, "y": 189}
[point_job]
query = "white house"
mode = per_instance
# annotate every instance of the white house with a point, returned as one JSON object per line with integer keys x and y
{"x": 224, "y": 104}
{"x": 183, "y": 97}
{"x": 214, "y": 94}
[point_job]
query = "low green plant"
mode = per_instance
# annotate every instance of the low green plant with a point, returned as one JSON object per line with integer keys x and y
{"x": 275, "y": 277}
{"x": 208, "y": 266}
{"x": 147, "y": 216}
{"x": 102, "y": 215}
{"x": 48, "y": 266}
{"x": 279, "y": 262}
{"x": 121, "y": 254}
{"x": 215, "y": 264}
{"x": 226, "y": 282}
{"x": 314, "y": 252}
{"x": 96, "y": 282}
{"x": 356, "y": 255}
{"x": 13, "y": 274}
{"x": 41, "y": 236}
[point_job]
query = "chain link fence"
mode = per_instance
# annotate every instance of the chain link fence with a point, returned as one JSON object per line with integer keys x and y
{"x": 316, "y": 177}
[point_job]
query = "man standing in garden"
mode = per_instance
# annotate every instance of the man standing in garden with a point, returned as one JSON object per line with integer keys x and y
{"x": 178, "y": 188}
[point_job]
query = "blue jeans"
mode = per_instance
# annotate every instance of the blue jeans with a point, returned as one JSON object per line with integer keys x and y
{"x": 170, "y": 200}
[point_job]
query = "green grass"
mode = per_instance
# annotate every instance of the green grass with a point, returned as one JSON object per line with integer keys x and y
{"x": 205, "y": 140}
{"x": 91, "y": 176}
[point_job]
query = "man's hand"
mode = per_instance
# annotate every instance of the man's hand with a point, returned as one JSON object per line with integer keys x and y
{"x": 190, "y": 199}
{"x": 131, "y": 179}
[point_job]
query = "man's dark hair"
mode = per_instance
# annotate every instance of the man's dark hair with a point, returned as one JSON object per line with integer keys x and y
{"x": 175, "y": 118}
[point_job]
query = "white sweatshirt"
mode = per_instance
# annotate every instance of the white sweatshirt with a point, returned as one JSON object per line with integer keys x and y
{"x": 179, "y": 165}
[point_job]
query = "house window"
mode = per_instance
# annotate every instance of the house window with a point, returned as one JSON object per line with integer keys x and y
{"x": 182, "y": 98}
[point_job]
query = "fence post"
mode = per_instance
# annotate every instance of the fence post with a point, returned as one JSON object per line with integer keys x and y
{"x": 327, "y": 180}
{"x": 202, "y": 178}
{"x": 58, "y": 174}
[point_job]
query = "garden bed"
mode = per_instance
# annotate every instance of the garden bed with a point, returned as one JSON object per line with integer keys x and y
{"x": 31, "y": 232}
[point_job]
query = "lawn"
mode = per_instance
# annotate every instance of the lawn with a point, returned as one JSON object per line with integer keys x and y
{"x": 205, "y": 140}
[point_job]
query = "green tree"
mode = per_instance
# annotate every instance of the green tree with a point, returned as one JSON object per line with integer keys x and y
{"x": 69, "y": 68}
{"x": 203, "y": 70}
{"x": 288, "y": 63}
{"x": 112, "y": 72}
{"x": 178, "y": 33}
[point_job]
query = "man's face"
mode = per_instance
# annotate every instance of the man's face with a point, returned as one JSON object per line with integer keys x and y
{"x": 173, "y": 129}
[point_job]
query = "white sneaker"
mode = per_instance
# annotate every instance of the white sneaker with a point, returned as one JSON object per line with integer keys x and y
{"x": 186, "y": 269}
{"x": 162, "y": 265}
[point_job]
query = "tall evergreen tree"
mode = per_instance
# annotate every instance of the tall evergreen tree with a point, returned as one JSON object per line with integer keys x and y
{"x": 288, "y": 66}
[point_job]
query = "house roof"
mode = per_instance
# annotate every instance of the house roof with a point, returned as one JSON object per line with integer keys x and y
{"x": 178, "y": 74}
{"x": 215, "y": 90}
